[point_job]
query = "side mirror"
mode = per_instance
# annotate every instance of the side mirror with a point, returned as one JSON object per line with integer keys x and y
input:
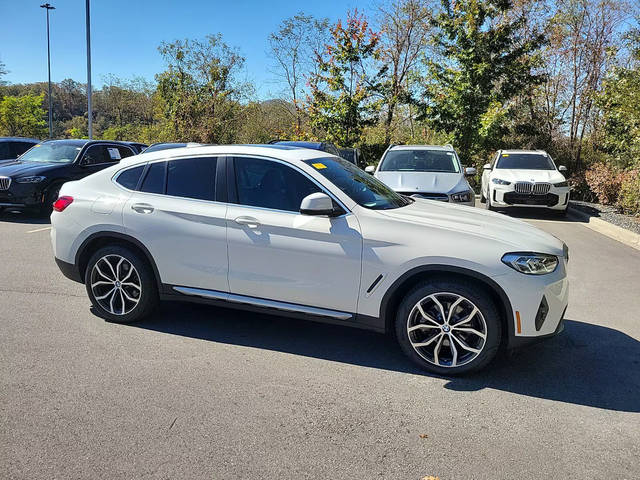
{"x": 318, "y": 204}
{"x": 562, "y": 168}
{"x": 486, "y": 166}
{"x": 470, "y": 171}
{"x": 370, "y": 169}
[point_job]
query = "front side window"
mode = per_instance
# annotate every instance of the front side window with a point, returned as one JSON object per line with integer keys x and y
{"x": 52, "y": 152}
{"x": 268, "y": 184}
{"x": 192, "y": 178}
{"x": 442, "y": 161}
{"x": 525, "y": 161}
{"x": 362, "y": 188}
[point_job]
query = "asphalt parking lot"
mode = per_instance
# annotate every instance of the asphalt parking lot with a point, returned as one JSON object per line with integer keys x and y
{"x": 200, "y": 392}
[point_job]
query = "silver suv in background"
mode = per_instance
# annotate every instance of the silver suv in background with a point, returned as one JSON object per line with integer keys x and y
{"x": 426, "y": 171}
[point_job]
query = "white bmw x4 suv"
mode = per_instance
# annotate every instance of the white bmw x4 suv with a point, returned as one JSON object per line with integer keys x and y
{"x": 302, "y": 233}
{"x": 524, "y": 178}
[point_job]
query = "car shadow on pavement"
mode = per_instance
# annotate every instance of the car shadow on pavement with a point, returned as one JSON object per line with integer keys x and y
{"x": 524, "y": 213}
{"x": 585, "y": 365}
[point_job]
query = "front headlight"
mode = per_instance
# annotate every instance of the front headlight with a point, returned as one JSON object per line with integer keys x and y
{"x": 499, "y": 181}
{"x": 561, "y": 184}
{"x": 35, "y": 179}
{"x": 462, "y": 196}
{"x": 531, "y": 263}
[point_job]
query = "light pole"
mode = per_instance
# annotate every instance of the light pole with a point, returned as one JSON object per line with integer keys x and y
{"x": 49, "y": 7}
{"x": 89, "y": 115}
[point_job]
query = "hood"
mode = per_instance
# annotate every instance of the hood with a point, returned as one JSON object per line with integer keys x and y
{"x": 514, "y": 234}
{"x": 525, "y": 175}
{"x": 17, "y": 168}
{"x": 431, "y": 182}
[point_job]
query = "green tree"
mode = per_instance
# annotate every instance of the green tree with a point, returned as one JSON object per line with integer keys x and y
{"x": 23, "y": 116}
{"x": 200, "y": 91}
{"x": 481, "y": 64}
{"x": 342, "y": 99}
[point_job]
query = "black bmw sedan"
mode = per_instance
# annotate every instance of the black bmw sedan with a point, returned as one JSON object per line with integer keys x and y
{"x": 34, "y": 179}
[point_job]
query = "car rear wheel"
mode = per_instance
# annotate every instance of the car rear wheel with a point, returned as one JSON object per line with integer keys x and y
{"x": 448, "y": 327}
{"x": 120, "y": 284}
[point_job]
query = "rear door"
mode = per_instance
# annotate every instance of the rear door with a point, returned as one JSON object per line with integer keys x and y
{"x": 177, "y": 213}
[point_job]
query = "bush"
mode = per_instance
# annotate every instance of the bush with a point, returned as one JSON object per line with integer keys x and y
{"x": 629, "y": 196}
{"x": 604, "y": 181}
{"x": 580, "y": 188}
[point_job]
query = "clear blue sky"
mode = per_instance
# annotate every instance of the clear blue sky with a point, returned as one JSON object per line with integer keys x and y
{"x": 125, "y": 34}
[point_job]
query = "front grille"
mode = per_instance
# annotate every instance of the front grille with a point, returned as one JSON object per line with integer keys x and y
{"x": 541, "y": 188}
{"x": 513, "y": 198}
{"x": 443, "y": 197}
{"x": 535, "y": 188}
{"x": 4, "y": 183}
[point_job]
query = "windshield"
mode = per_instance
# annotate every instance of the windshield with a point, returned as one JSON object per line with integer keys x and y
{"x": 420, "y": 161}
{"x": 361, "y": 187}
{"x": 52, "y": 152}
{"x": 525, "y": 161}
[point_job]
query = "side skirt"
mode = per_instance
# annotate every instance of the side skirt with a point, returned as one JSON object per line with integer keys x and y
{"x": 271, "y": 307}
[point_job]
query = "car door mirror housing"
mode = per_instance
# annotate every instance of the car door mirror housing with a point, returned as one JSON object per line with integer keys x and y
{"x": 487, "y": 166}
{"x": 319, "y": 204}
{"x": 562, "y": 168}
{"x": 370, "y": 169}
{"x": 470, "y": 171}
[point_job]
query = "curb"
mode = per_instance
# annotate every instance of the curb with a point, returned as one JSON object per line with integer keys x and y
{"x": 607, "y": 229}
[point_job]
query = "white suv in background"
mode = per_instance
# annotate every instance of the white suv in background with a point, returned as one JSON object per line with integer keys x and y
{"x": 426, "y": 171}
{"x": 303, "y": 233}
{"x": 524, "y": 178}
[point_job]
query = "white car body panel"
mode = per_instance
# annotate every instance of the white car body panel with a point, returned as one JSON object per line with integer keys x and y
{"x": 319, "y": 262}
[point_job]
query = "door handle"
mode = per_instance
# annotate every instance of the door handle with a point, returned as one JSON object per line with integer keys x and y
{"x": 142, "y": 208}
{"x": 248, "y": 221}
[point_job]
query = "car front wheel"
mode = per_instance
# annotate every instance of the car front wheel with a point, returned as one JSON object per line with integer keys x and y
{"x": 120, "y": 284}
{"x": 448, "y": 327}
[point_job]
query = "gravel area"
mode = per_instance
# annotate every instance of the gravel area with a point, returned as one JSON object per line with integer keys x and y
{"x": 608, "y": 214}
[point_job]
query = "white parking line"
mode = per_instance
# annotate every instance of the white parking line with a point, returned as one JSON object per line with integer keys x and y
{"x": 39, "y": 230}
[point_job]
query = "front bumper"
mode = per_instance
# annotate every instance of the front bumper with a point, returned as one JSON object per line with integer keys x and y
{"x": 442, "y": 197}
{"x": 21, "y": 195}
{"x": 505, "y": 196}
{"x": 538, "y": 304}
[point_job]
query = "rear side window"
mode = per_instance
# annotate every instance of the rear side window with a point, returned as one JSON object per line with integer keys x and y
{"x": 125, "y": 151}
{"x": 130, "y": 178}
{"x": 192, "y": 178}
{"x": 154, "y": 179}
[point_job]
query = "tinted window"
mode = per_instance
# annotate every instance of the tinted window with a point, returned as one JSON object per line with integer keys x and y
{"x": 97, "y": 154}
{"x": 5, "y": 151}
{"x": 192, "y": 178}
{"x": 125, "y": 151}
{"x": 420, "y": 161}
{"x": 262, "y": 183}
{"x": 129, "y": 178}
{"x": 525, "y": 161}
{"x": 18, "y": 148}
{"x": 154, "y": 180}
{"x": 164, "y": 146}
{"x": 363, "y": 188}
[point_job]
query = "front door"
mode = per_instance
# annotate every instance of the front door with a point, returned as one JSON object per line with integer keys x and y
{"x": 276, "y": 253}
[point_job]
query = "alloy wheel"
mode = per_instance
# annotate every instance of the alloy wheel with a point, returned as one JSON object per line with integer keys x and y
{"x": 116, "y": 284}
{"x": 447, "y": 329}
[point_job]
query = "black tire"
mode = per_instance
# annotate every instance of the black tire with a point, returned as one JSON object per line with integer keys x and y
{"x": 477, "y": 297}
{"x": 147, "y": 298}
{"x": 50, "y": 196}
{"x": 560, "y": 213}
{"x": 483, "y": 199}
{"x": 487, "y": 204}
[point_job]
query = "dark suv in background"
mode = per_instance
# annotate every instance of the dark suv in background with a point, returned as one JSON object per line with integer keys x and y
{"x": 34, "y": 180}
{"x": 12, "y": 147}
